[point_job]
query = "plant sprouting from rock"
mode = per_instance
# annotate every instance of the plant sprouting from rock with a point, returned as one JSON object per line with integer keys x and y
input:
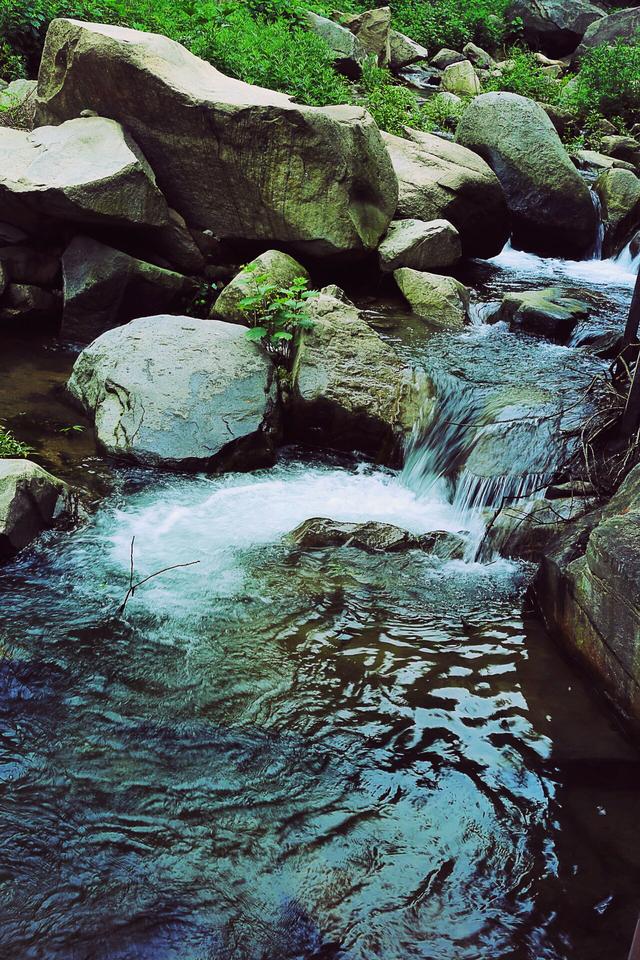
{"x": 276, "y": 313}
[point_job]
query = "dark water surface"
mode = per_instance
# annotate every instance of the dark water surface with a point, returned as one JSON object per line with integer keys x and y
{"x": 282, "y": 754}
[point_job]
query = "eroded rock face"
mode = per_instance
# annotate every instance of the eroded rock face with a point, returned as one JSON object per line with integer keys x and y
{"x": 588, "y": 592}
{"x": 281, "y": 269}
{"x": 619, "y": 193}
{"x": 104, "y": 287}
{"x": 440, "y": 180}
{"x": 351, "y": 390}
{"x": 441, "y": 301}
{"x": 373, "y": 537}
{"x": 550, "y": 204}
{"x": 623, "y": 24}
{"x": 554, "y": 26}
{"x": 178, "y": 392}
{"x": 86, "y": 171}
{"x": 31, "y": 500}
{"x": 419, "y": 245}
{"x": 242, "y": 161}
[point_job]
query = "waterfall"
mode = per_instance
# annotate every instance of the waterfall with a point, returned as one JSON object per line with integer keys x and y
{"x": 596, "y": 251}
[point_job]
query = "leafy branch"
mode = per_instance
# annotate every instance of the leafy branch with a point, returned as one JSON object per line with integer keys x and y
{"x": 276, "y": 314}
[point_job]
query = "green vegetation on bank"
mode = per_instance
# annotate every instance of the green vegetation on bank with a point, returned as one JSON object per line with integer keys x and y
{"x": 10, "y": 446}
{"x": 266, "y": 42}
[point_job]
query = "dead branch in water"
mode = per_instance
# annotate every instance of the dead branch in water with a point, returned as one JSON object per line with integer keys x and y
{"x": 134, "y": 586}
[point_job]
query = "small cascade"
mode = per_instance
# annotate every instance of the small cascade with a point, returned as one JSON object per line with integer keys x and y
{"x": 596, "y": 250}
{"x": 627, "y": 260}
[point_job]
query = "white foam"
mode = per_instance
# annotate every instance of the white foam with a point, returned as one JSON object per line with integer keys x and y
{"x": 618, "y": 272}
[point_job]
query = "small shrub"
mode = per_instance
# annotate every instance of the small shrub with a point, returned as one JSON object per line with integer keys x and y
{"x": 391, "y": 105}
{"x": 608, "y": 83}
{"x": 10, "y": 447}
{"x": 277, "y": 314}
{"x": 451, "y": 23}
{"x": 526, "y": 77}
{"x": 440, "y": 113}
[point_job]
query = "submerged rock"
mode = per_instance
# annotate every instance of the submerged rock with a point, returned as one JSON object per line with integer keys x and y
{"x": 619, "y": 193}
{"x": 440, "y": 180}
{"x": 548, "y": 313}
{"x": 441, "y": 301}
{"x": 350, "y": 389}
{"x": 375, "y": 537}
{"x": 244, "y": 162}
{"x": 419, "y": 245}
{"x": 86, "y": 171}
{"x": 280, "y": 268}
{"x": 178, "y": 392}
{"x": 104, "y": 287}
{"x": 550, "y": 204}
{"x": 31, "y": 500}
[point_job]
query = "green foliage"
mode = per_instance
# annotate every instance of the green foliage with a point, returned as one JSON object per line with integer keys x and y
{"x": 391, "y": 105}
{"x": 10, "y": 447}
{"x": 608, "y": 83}
{"x": 526, "y": 77}
{"x": 451, "y": 23}
{"x": 276, "y": 314}
{"x": 440, "y": 113}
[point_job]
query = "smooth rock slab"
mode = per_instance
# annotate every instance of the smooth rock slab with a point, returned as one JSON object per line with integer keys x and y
{"x": 31, "y": 500}
{"x": 244, "y": 162}
{"x": 419, "y": 245}
{"x": 177, "y": 392}
{"x": 86, "y": 171}
{"x": 441, "y": 301}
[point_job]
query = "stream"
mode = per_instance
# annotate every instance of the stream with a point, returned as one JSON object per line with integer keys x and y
{"x": 280, "y": 754}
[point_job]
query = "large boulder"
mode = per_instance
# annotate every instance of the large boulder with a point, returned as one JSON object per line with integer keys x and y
{"x": 621, "y": 25}
{"x": 422, "y": 246}
{"x": 440, "y": 180}
{"x": 348, "y": 53}
{"x": 350, "y": 389}
{"x": 244, "y": 162}
{"x": 104, "y": 287}
{"x": 178, "y": 392}
{"x": 551, "y": 206}
{"x": 441, "y": 301}
{"x": 619, "y": 193}
{"x": 373, "y": 29}
{"x": 31, "y": 500}
{"x": 404, "y": 51}
{"x": 280, "y": 268}
{"x": 86, "y": 171}
{"x": 554, "y": 26}
{"x": 588, "y": 590}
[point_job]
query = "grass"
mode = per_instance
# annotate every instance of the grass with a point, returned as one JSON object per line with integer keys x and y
{"x": 10, "y": 447}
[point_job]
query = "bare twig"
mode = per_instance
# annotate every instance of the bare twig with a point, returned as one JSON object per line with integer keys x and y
{"x": 134, "y": 586}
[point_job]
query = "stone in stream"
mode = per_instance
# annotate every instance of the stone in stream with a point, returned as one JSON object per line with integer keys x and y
{"x": 31, "y": 500}
{"x": 554, "y": 26}
{"x": 441, "y": 301}
{"x": 179, "y": 392}
{"x": 420, "y": 245}
{"x": 440, "y": 180}
{"x": 549, "y": 313}
{"x": 374, "y": 537}
{"x": 551, "y": 206}
{"x": 619, "y": 193}
{"x": 347, "y": 51}
{"x": 593, "y": 160}
{"x": 622, "y": 25}
{"x": 350, "y": 389}
{"x": 86, "y": 171}
{"x": 403, "y": 51}
{"x": 461, "y": 79}
{"x": 588, "y": 590}
{"x": 244, "y": 162}
{"x": 280, "y": 268}
{"x": 104, "y": 287}
{"x": 524, "y": 529}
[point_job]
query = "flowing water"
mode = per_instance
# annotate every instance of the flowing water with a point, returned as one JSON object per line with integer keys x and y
{"x": 279, "y": 754}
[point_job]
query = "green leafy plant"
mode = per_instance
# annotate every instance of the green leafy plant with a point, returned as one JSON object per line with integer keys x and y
{"x": 72, "y": 428}
{"x": 440, "y": 113}
{"x": 276, "y": 314}
{"x": 10, "y": 446}
{"x": 392, "y": 106}
{"x": 525, "y": 76}
{"x": 608, "y": 83}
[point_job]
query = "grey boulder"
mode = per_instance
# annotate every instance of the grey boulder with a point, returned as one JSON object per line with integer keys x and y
{"x": 404, "y": 51}
{"x": 31, "y": 500}
{"x": 178, "y": 392}
{"x": 550, "y": 313}
{"x": 280, "y": 269}
{"x": 422, "y": 246}
{"x": 375, "y": 537}
{"x": 621, "y": 25}
{"x": 347, "y": 51}
{"x": 441, "y": 301}
{"x": 550, "y": 204}
{"x": 554, "y": 26}
{"x": 619, "y": 193}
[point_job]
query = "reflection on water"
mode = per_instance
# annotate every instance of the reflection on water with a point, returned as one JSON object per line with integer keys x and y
{"x": 297, "y": 755}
